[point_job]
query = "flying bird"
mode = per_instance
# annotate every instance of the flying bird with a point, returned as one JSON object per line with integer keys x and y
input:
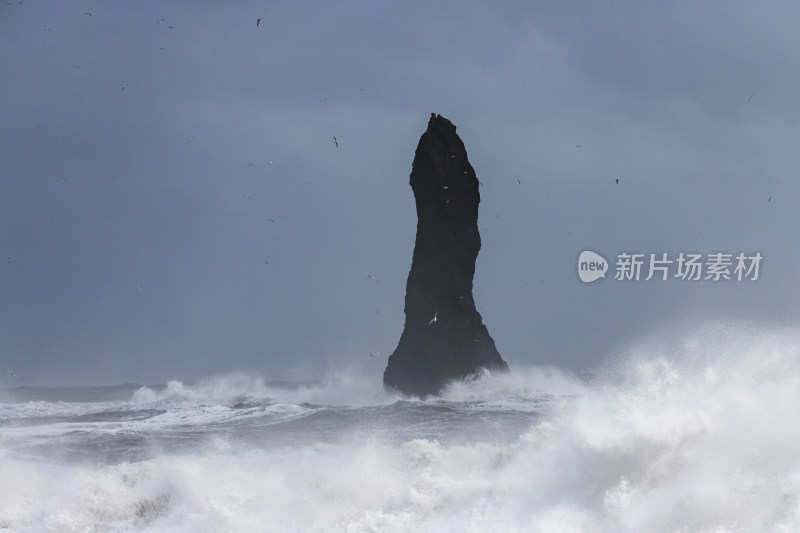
{"x": 617, "y": 182}
{"x": 750, "y": 99}
{"x": 12, "y": 374}
{"x": 434, "y": 319}
{"x": 518, "y": 181}
{"x": 336, "y": 142}
{"x": 11, "y": 260}
{"x": 370, "y": 276}
{"x": 258, "y": 22}
{"x": 123, "y": 86}
{"x": 769, "y": 199}
{"x": 88, "y": 13}
{"x": 374, "y": 354}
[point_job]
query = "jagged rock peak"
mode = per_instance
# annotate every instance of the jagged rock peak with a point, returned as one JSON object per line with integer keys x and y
{"x": 444, "y": 337}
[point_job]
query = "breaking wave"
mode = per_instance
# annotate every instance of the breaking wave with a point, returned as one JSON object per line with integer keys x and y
{"x": 689, "y": 433}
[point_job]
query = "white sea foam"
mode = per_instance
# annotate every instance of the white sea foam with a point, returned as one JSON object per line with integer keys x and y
{"x": 691, "y": 434}
{"x": 336, "y": 389}
{"x": 33, "y": 409}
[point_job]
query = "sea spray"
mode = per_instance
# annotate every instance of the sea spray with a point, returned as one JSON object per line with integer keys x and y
{"x": 691, "y": 432}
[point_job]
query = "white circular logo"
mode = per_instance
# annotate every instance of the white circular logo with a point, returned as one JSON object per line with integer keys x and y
{"x": 591, "y": 266}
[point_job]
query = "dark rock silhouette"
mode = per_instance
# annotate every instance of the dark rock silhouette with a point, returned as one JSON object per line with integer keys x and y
{"x": 444, "y": 337}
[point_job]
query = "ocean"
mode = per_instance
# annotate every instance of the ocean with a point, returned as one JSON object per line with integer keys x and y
{"x": 697, "y": 433}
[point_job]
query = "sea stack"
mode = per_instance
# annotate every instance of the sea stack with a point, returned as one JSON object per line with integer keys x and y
{"x": 444, "y": 338}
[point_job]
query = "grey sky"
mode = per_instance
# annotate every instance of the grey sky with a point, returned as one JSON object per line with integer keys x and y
{"x": 126, "y": 146}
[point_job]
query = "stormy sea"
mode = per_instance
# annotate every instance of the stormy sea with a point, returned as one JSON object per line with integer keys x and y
{"x": 692, "y": 433}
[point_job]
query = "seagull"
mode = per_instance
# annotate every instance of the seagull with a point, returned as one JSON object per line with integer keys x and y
{"x": 258, "y": 22}
{"x": 251, "y": 164}
{"x": 270, "y": 220}
{"x": 768, "y": 199}
{"x": 11, "y": 260}
{"x": 172, "y": 27}
{"x": 246, "y": 196}
{"x": 88, "y": 13}
{"x": 518, "y": 181}
{"x": 750, "y": 99}
{"x": 269, "y": 163}
{"x": 617, "y": 181}
{"x": 445, "y": 188}
{"x": 434, "y": 319}
{"x": 336, "y": 142}
{"x": 374, "y": 354}
{"x": 12, "y": 374}
{"x": 123, "y": 86}
{"x": 370, "y": 276}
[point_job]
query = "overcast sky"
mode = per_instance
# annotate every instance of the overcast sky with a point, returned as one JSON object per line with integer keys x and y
{"x": 172, "y": 204}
